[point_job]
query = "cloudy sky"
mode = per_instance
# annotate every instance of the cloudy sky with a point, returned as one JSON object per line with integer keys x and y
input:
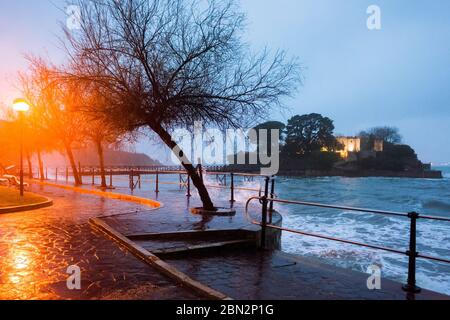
{"x": 399, "y": 75}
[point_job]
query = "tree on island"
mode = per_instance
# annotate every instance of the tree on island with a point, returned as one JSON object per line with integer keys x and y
{"x": 308, "y": 133}
{"x": 167, "y": 64}
{"x": 385, "y": 133}
{"x": 268, "y": 126}
{"x": 395, "y": 157}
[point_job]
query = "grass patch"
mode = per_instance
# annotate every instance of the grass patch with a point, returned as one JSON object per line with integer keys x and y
{"x": 11, "y": 198}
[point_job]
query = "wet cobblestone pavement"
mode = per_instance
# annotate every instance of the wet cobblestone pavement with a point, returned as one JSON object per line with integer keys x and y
{"x": 249, "y": 273}
{"x": 175, "y": 215}
{"x": 273, "y": 275}
{"x": 37, "y": 247}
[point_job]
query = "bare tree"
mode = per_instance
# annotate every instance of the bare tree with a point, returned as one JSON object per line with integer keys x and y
{"x": 38, "y": 137}
{"x": 97, "y": 128}
{"x": 52, "y": 106}
{"x": 101, "y": 135}
{"x": 168, "y": 63}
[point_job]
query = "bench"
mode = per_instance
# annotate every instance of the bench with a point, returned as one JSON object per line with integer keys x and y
{"x": 13, "y": 180}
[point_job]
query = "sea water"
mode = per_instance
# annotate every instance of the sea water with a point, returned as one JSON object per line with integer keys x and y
{"x": 425, "y": 196}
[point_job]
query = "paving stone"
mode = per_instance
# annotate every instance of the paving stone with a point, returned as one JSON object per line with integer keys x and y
{"x": 302, "y": 279}
{"x": 38, "y": 246}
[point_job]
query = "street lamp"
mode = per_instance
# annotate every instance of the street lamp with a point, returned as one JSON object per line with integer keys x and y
{"x": 21, "y": 106}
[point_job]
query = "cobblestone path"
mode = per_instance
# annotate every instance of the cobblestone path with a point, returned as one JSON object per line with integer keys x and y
{"x": 253, "y": 274}
{"x": 268, "y": 275}
{"x": 37, "y": 247}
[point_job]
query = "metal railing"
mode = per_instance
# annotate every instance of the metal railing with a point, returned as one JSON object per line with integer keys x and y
{"x": 411, "y": 253}
{"x": 225, "y": 180}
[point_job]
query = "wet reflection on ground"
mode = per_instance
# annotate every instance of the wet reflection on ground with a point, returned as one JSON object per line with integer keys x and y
{"x": 37, "y": 247}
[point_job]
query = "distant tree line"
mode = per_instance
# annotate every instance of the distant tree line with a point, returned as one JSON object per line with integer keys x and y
{"x": 308, "y": 142}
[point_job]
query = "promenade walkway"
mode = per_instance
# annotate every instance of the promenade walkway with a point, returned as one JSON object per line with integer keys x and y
{"x": 249, "y": 273}
{"x": 38, "y": 246}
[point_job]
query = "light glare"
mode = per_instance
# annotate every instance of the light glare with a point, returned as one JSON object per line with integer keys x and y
{"x": 21, "y": 105}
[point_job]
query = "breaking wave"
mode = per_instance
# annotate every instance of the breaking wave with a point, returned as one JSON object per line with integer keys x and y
{"x": 404, "y": 195}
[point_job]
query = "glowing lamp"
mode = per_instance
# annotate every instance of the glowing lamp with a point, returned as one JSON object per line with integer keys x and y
{"x": 20, "y": 105}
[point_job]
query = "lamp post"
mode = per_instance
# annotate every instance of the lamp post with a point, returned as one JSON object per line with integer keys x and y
{"x": 21, "y": 106}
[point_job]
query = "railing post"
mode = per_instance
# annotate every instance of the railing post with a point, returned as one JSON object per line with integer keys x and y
{"x": 272, "y": 195}
{"x": 46, "y": 173}
{"x": 412, "y": 254}
{"x": 56, "y": 174}
{"x": 188, "y": 187}
{"x": 67, "y": 174}
{"x": 157, "y": 181}
{"x": 264, "y": 214}
{"x": 93, "y": 176}
{"x": 232, "y": 188}
{"x": 80, "y": 173}
{"x": 131, "y": 180}
{"x": 110, "y": 178}
{"x": 200, "y": 171}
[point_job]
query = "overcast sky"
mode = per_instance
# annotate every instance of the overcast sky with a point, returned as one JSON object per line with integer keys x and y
{"x": 399, "y": 75}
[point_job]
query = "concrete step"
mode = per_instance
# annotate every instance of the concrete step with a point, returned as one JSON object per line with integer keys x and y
{"x": 199, "y": 235}
{"x": 204, "y": 247}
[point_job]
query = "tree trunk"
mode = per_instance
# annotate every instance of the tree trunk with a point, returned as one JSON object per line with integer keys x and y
{"x": 193, "y": 174}
{"x": 101, "y": 160}
{"x": 30, "y": 166}
{"x": 76, "y": 174}
{"x": 41, "y": 165}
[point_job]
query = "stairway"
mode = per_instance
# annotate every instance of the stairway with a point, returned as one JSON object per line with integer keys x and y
{"x": 182, "y": 243}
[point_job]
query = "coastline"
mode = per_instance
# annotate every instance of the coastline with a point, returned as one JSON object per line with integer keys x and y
{"x": 336, "y": 172}
{"x": 432, "y": 174}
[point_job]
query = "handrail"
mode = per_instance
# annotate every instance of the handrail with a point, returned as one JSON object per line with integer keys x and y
{"x": 212, "y": 170}
{"x": 321, "y": 205}
{"x": 138, "y": 171}
{"x": 413, "y": 216}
